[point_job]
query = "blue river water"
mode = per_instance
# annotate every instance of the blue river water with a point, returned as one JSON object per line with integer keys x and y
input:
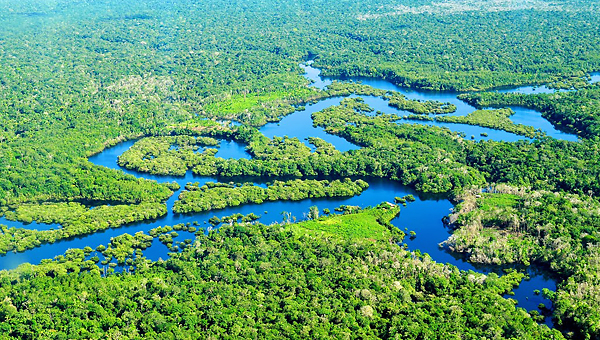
{"x": 424, "y": 216}
{"x": 522, "y": 115}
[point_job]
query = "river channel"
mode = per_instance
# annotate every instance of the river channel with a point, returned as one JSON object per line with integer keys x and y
{"x": 424, "y": 216}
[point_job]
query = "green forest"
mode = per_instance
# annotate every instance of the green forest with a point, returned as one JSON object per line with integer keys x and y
{"x": 182, "y": 77}
{"x": 496, "y": 119}
{"x": 519, "y": 225}
{"x": 219, "y": 195}
{"x": 307, "y": 280}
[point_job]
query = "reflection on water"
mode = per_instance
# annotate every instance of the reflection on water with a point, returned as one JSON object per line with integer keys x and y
{"x": 300, "y": 125}
{"x": 521, "y": 116}
{"x": 232, "y": 149}
{"x": 424, "y": 216}
{"x": 32, "y": 225}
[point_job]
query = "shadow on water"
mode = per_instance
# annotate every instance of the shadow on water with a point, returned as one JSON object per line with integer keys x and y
{"x": 232, "y": 149}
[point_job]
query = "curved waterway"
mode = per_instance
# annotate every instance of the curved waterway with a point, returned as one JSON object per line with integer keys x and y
{"x": 424, "y": 216}
{"x": 522, "y": 115}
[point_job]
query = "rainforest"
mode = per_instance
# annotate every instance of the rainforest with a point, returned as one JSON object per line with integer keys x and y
{"x": 373, "y": 169}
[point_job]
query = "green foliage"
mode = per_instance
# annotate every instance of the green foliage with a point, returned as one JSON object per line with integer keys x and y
{"x": 561, "y": 231}
{"x": 78, "y": 77}
{"x": 94, "y": 81}
{"x": 369, "y": 224}
{"x": 60, "y": 213}
{"x": 75, "y": 219}
{"x": 525, "y": 226}
{"x": 212, "y": 196}
{"x": 259, "y": 108}
{"x": 123, "y": 246}
{"x": 265, "y": 282}
{"x": 546, "y": 164}
{"x": 166, "y": 155}
{"x": 463, "y": 46}
{"x": 427, "y": 158}
{"x": 404, "y": 199}
{"x": 575, "y": 111}
{"x": 495, "y": 119}
{"x": 241, "y": 103}
{"x": 400, "y": 102}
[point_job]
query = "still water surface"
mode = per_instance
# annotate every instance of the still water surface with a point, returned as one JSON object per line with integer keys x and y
{"x": 424, "y": 216}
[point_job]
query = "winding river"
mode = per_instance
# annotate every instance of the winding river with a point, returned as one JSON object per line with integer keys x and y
{"x": 424, "y": 216}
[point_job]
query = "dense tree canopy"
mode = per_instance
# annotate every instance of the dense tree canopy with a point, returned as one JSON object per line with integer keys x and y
{"x": 255, "y": 281}
{"x": 78, "y": 77}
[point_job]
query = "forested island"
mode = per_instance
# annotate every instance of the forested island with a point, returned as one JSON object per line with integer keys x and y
{"x": 213, "y": 169}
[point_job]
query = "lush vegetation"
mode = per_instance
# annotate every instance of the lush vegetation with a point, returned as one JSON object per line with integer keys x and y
{"x": 574, "y": 111}
{"x": 428, "y": 158}
{"x": 212, "y": 196}
{"x": 304, "y": 280}
{"x": 560, "y": 231}
{"x": 354, "y": 225}
{"x": 137, "y": 89}
{"x": 256, "y": 109}
{"x": 399, "y": 101}
{"x": 75, "y": 220}
{"x": 166, "y": 155}
{"x": 78, "y": 77}
{"x": 109, "y": 82}
{"x": 251, "y": 107}
{"x": 542, "y": 164}
{"x": 495, "y": 119}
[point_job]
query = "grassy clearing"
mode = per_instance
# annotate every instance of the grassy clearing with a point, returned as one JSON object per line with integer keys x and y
{"x": 241, "y": 103}
{"x": 491, "y": 201}
{"x": 369, "y": 224}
